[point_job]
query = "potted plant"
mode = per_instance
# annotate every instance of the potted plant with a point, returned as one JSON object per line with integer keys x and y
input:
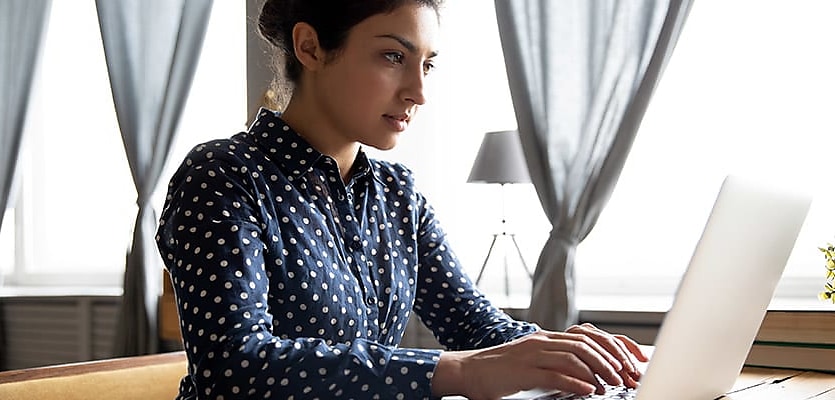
{"x": 828, "y": 292}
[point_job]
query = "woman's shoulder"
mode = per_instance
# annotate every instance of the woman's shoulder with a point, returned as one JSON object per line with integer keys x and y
{"x": 223, "y": 147}
{"x": 230, "y": 156}
{"x": 388, "y": 171}
{"x": 232, "y": 150}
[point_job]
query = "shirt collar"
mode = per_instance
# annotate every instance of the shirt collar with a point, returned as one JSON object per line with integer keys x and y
{"x": 365, "y": 166}
{"x": 286, "y": 147}
{"x": 271, "y": 132}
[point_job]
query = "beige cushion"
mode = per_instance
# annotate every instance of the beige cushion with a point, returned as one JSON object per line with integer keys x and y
{"x": 145, "y": 377}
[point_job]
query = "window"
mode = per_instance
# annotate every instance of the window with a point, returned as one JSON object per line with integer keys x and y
{"x": 74, "y": 213}
{"x": 7, "y": 252}
{"x": 747, "y": 90}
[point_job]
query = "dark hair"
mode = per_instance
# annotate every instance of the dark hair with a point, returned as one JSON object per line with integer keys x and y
{"x": 332, "y": 19}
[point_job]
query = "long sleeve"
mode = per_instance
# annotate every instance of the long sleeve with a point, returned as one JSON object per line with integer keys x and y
{"x": 216, "y": 240}
{"x": 448, "y": 302}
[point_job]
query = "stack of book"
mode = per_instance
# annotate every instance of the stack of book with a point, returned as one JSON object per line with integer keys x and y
{"x": 795, "y": 339}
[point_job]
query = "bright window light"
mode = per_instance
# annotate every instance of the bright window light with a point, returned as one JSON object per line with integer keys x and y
{"x": 78, "y": 199}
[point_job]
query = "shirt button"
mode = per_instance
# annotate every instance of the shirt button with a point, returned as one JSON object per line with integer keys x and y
{"x": 356, "y": 246}
{"x": 350, "y": 197}
{"x": 370, "y": 301}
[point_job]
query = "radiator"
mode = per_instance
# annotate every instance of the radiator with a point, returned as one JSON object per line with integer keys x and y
{"x": 40, "y": 331}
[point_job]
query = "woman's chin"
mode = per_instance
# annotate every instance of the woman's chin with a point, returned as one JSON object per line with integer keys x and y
{"x": 385, "y": 144}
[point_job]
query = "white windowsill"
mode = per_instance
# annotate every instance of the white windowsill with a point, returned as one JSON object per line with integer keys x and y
{"x": 651, "y": 309}
{"x": 58, "y": 291}
{"x": 610, "y": 309}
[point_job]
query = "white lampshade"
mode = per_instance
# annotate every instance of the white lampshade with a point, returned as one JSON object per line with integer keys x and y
{"x": 500, "y": 160}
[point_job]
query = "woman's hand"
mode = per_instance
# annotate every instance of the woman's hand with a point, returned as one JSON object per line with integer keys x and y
{"x": 569, "y": 361}
{"x": 624, "y": 349}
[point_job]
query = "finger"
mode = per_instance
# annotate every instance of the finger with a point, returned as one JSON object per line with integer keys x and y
{"x": 554, "y": 346}
{"x": 581, "y": 354}
{"x": 631, "y": 360}
{"x": 633, "y": 348}
{"x": 567, "y": 383}
{"x": 636, "y": 353}
{"x": 570, "y": 384}
{"x": 605, "y": 345}
{"x": 572, "y": 367}
{"x": 630, "y": 380}
{"x": 610, "y": 343}
{"x": 580, "y": 335}
{"x": 552, "y": 370}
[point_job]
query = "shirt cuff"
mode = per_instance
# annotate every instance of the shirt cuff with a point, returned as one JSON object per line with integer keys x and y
{"x": 409, "y": 373}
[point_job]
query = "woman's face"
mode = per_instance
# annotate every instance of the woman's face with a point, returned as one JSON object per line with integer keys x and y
{"x": 371, "y": 90}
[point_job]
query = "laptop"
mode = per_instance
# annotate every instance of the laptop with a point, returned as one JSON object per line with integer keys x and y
{"x": 723, "y": 296}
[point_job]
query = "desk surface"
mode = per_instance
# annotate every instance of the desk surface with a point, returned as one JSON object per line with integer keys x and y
{"x": 782, "y": 384}
{"x": 755, "y": 383}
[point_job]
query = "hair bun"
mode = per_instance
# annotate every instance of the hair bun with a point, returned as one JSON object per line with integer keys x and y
{"x": 275, "y": 17}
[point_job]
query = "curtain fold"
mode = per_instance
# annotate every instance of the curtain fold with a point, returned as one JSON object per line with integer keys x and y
{"x": 581, "y": 74}
{"x": 152, "y": 48}
{"x": 22, "y": 27}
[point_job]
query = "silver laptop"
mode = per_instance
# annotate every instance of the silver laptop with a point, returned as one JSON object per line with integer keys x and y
{"x": 722, "y": 297}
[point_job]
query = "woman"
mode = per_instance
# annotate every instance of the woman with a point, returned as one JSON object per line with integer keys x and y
{"x": 297, "y": 261}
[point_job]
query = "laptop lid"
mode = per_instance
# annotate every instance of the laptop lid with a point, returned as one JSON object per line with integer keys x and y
{"x": 724, "y": 293}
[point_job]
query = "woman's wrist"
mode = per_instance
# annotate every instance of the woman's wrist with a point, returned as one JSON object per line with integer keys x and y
{"x": 448, "y": 378}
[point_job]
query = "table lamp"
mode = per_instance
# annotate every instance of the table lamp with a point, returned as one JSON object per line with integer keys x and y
{"x": 500, "y": 160}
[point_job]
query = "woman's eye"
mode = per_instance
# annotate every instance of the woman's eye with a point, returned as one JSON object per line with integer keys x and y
{"x": 428, "y": 67}
{"x": 394, "y": 58}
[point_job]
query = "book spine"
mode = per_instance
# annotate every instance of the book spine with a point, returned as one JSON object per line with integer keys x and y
{"x": 810, "y": 327}
{"x": 793, "y": 357}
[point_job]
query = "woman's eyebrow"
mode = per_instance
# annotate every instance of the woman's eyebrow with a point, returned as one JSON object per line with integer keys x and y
{"x": 406, "y": 43}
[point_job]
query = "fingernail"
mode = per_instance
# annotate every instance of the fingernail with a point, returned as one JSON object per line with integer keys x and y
{"x": 600, "y": 389}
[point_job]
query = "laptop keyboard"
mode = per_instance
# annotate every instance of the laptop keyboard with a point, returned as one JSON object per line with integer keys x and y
{"x": 612, "y": 393}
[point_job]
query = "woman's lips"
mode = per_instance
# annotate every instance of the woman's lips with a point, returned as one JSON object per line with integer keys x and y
{"x": 397, "y": 122}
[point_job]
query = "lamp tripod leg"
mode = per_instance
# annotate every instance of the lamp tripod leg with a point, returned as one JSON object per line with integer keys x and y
{"x": 506, "y": 275}
{"x": 521, "y": 258}
{"x": 484, "y": 265}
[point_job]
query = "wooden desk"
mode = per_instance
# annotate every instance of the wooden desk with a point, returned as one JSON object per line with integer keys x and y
{"x": 782, "y": 384}
{"x": 157, "y": 376}
{"x": 756, "y": 383}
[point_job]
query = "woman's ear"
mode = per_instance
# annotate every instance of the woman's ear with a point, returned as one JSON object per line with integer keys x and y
{"x": 306, "y": 46}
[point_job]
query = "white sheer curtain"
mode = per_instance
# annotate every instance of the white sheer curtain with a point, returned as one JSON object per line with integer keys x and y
{"x": 581, "y": 74}
{"x": 152, "y": 49}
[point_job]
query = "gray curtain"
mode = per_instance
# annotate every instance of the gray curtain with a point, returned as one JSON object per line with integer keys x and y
{"x": 581, "y": 75}
{"x": 22, "y": 27}
{"x": 152, "y": 48}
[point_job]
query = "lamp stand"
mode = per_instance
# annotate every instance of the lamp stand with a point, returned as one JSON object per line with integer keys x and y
{"x": 504, "y": 234}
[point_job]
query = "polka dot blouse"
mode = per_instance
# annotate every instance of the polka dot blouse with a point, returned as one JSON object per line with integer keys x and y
{"x": 291, "y": 284}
